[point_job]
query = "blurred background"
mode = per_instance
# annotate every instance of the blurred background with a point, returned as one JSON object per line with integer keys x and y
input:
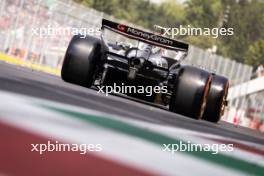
{"x": 240, "y": 57}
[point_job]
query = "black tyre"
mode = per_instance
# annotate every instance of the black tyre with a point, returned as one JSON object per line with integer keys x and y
{"x": 80, "y": 60}
{"x": 216, "y": 99}
{"x": 190, "y": 92}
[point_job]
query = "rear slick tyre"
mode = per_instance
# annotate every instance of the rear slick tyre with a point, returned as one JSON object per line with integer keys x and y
{"x": 190, "y": 92}
{"x": 80, "y": 60}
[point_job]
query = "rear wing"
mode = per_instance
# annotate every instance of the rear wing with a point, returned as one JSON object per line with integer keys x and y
{"x": 143, "y": 36}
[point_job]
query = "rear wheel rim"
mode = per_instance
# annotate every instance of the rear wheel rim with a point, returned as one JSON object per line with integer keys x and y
{"x": 204, "y": 99}
{"x": 223, "y": 105}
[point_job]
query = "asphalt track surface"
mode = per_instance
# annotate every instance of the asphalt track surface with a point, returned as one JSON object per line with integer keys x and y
{"x": 25, "y": 81}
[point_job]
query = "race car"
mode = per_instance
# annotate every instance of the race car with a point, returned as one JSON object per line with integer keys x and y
{"x": 134, "y": 57}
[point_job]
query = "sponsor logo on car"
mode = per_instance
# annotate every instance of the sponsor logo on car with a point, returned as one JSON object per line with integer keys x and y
{"x": 142, "y": 34}
{"x": 121, "y": 27}
{"x": 153, "y": 37}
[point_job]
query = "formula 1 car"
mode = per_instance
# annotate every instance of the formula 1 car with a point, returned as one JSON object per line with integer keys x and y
{"x": 145, "y": 60}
